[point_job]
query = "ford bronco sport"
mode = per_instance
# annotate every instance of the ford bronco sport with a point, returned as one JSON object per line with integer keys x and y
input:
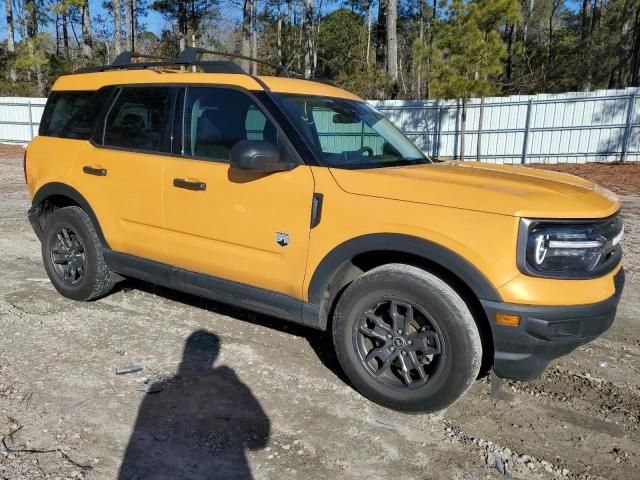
{"x": 299, "y": 200}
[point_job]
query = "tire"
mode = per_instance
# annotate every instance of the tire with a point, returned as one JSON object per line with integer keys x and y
{"x": 72, "y": 255}
{"x": 438, "y": 345}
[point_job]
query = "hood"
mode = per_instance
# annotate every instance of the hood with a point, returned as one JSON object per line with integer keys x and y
{"x": 501, "y": 189}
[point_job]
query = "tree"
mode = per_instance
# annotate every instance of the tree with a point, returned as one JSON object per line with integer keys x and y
{"x": 117, "y": 21}
{"x": 470, "y": 53}
{"x": 310, "y": 55}
{"x": 87, "y": 40}
{"x": 341, "y": 44}
{"x": 11, "y": 48}
{"x": 392, "y": 39}
{"x": 128, "y": 23}
{"x": 245, "y": 47}
{"x": 188, "y": 15}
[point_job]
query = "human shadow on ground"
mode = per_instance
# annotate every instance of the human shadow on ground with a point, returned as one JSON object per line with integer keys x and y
{"x": 201, "y": 423}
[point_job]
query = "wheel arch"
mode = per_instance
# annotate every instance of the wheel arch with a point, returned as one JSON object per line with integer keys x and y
{"x": 350, "y": 259}
{"x": 56, "y": 195}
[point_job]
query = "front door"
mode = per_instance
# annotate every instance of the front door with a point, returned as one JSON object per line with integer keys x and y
{"x": 248, "y": 227}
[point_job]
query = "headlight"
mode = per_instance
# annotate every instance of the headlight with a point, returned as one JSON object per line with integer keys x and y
{"x": 560, "y": 249}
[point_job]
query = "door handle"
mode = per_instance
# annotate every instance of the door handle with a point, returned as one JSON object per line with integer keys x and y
{"x": 99, "y": 172}
{"x": 182, "y": 183}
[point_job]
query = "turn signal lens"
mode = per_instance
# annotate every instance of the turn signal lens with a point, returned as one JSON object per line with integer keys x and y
{"x": 507, "y": 320}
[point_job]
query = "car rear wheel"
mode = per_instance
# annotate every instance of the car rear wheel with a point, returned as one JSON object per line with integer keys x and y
{"x": 406, "y": 339}
{"x": 72, "y": 255}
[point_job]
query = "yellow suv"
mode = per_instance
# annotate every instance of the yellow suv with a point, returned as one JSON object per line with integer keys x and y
{"x": 299, "y": 200}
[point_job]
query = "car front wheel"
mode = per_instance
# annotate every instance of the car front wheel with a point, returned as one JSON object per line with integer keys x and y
{"x": 406, "y": 339}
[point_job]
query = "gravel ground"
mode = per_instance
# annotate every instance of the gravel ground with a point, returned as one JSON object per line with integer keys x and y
{"x": 243, "y": 394}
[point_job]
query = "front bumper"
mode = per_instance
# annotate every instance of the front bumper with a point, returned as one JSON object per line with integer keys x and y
{"x": 545, "y": 333}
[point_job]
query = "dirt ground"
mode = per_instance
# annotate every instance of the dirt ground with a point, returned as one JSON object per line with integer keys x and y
{"x": 247, "y": 395}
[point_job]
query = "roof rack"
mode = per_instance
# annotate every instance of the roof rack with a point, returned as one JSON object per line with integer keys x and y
{"x": 189, "y": 57}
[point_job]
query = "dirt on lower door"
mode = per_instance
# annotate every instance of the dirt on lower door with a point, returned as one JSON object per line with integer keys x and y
{"x": 239, "y": 394}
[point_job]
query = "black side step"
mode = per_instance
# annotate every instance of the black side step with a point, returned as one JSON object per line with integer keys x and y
{"x": 214, "y": 288}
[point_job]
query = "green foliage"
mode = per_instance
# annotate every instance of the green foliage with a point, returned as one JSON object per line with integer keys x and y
{"x": 188, "y": 14}
{"x": 368, "y": 82}
{"x": 468, "y": 53}
{"x": 342, "y": 44}
{"x": 446, "y": 48}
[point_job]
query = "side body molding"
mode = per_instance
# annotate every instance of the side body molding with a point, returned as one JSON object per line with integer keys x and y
{"x": 57, "y": 189}
{"x": 405, "y": 244}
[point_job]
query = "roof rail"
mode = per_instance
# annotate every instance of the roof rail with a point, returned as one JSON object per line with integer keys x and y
{"x": 186, "y": 58}
{"x": 126, "y": 58}
{"x": 191, "y": 54}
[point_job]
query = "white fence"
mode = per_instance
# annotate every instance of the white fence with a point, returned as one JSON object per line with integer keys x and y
{"x": 20, "y": 118}
{"x": 573, "y": 127}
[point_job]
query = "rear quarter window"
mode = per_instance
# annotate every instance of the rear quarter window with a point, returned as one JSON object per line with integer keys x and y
{"x": 73, "y": 114}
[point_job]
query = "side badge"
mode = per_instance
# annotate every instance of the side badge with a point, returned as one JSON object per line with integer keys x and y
{"x": 282, "y": 239}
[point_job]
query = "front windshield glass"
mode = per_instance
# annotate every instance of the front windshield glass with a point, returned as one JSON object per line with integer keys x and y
{"x": 348, "y": 133}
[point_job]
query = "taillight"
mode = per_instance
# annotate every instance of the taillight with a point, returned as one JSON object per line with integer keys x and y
{"x": 24, "y": 165}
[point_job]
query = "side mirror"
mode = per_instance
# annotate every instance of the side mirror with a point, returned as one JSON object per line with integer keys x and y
{"x": 257, "y": 156}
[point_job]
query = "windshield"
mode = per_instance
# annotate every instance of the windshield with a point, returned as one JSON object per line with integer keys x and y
{"x": 348, "y": 133}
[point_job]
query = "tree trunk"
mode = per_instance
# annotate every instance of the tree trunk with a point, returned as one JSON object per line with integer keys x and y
{"x": 32, "y": 33}
{"x": 10, "y": 35}
{"x": 254, "y": 36}
{"x": 619, "y": 77}
{"x": 57, "y": 35}
{"x": 369, "y": 21}
{"x": 11, "y": 44}
{"x": 597, "y": 14}
{"x": 463, "y": 128}
{"x": 480, "y": 117}
{"x": 65, "y": 36}
{"x": 117, "y": 19}
{"x": 586, "y": 19}
{"x": 509, "y": 63}
{"x": 245, "y": 47}
{"x": 127, "y": 25}
{"x": 421, "y": 38}
{"x": 32, "y": 18}
{"x": 392, "y": 39}
{"x": 308, "y": 38}
{"x": 279, "y": 39}
{"x": 381, "y": 34}
{"x": 134, "y": 23}
{"x": 87, "y": 42}
{"x": 527, "y": 18}
{"x": 634, "y": 73}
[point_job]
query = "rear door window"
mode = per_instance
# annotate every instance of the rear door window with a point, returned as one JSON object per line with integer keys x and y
{"x": 73, "y": 114}
{"x": 138, "y": 120}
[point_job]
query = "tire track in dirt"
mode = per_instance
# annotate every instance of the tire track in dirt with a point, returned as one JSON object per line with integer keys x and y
{"x": 589, "y": 396}
{"x": 562, "y": 421}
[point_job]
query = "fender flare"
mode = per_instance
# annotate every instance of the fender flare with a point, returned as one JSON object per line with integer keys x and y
{"x": 425, "y": 249}
{"x": 58, "y": 189}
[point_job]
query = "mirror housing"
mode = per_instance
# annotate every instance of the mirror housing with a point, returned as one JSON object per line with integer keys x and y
{"x": 257, "y": 156}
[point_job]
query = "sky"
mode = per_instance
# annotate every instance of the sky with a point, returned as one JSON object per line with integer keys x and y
{"x": 153, "y": 20}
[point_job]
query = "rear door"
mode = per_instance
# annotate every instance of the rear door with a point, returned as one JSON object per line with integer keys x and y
{"x": 120, "y": 172}
{"x": 249, "y": 227}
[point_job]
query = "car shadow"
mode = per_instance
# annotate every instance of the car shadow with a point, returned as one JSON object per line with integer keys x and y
{"x": 320, "y": 342}
{"x": 198, "y": 424}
